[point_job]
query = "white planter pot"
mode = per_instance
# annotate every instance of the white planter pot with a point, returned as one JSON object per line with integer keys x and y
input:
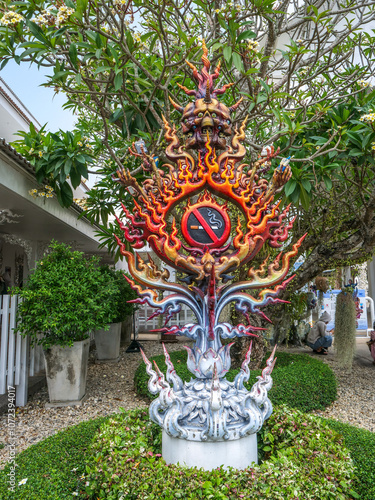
{"x": 66, "y": 371}
{"x": 108, "y": 343}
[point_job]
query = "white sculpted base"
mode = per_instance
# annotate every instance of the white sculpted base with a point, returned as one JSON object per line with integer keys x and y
{"x": 238, "y": 453}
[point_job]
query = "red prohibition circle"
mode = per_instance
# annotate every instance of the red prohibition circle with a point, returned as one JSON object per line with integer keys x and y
{"x": 205, "y": 225}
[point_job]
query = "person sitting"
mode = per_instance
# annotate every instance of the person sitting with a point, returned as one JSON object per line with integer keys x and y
{"x": 317, "y": 338}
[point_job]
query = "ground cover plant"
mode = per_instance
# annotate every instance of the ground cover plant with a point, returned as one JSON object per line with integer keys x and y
{"x": 299, "y": 381}
{"x": 53, "y": 466}
{"x": 302, "y": 458}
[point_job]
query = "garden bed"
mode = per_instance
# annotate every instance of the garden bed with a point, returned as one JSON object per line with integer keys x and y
{"x": 299, "y": 381}
{"x": 55, "y": 468}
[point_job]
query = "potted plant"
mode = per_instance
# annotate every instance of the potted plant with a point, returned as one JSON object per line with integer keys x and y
{"x": 108, "y": 339}
{"x": 64, "y": 299}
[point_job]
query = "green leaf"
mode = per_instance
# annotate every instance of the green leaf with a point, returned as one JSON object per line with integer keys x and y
{"x": 245, "y": 35}
{"x": 304, "y": 198}
{"x": 98, "y": 41}
{"x": 327, "y": 182}
{"x": 81, "y": 6}
{"x": 38, "y": 33}
{"x": 67, "y": 166}
{"x": 65, "y": 195}
{"x": 290, "y": 187}
{"x": 116, "y": 115}
{"x": 73, "y": 53}
{"x": 237, "y": 61}
{"x": 117, "y": 82}
{"x": 306, "y": 184}
{"x": 75, "y": 178}
{"x": 227, "y": 53}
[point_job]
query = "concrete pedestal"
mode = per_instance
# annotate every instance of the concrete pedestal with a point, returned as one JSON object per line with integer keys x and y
{"x": 107, "y": 343}
{"x": 238, "y": 453}
{"x": 66, "y": 371}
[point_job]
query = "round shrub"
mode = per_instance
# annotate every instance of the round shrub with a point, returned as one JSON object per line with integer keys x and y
{"x": 64, "y": 299}
{"x": 302, "y": 458}
{"x": 299, "y": 381}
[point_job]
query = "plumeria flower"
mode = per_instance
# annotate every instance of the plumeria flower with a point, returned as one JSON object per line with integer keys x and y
{"x": 369, "y": 118}
{"x": 11, "y": 19}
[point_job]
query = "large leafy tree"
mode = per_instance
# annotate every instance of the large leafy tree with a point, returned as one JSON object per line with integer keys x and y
{"x": 294, "y": 63}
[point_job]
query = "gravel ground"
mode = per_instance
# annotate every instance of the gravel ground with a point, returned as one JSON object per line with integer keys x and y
{"x": 355, "y": 403}
{"x": 110, "y": 387}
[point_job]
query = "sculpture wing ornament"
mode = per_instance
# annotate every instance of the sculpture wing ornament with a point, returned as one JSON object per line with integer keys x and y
{"x": 207, "y": 180}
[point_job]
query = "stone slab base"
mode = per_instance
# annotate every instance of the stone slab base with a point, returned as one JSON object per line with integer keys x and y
{"x": 106, "y": 361}
{"x": 238, "y": 453}
{"x": 58, "y": 404}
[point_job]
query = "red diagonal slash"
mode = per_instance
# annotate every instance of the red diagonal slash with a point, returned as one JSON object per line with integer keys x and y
{"x": 205, "y": 225}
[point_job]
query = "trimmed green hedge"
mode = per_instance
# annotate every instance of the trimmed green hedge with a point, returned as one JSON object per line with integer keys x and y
{"x": 52, "y": 467}
{"x": 299, "y": 381}
{"x": 361, "y": 444}
{"x": 304, "y": 458}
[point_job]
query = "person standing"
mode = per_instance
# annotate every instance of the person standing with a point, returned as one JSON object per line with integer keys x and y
{"x": 317, "y": 337}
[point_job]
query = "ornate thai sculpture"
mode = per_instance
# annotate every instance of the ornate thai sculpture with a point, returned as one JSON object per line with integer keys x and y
{"x": 206, "y": 176}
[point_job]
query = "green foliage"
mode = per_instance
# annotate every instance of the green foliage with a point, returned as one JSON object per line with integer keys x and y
{"x": 361, "y": 444}
{"x": 345, "y": 329}
{"x": 341, "y": 136}
{"x": 53, "y": 466}
{"x": 119, "y": 306}
{"x": 57, "y": 158}
{"x": 299, "y": 380}
{"x": 65, "y": 298}
{"x": 303, "y": 458}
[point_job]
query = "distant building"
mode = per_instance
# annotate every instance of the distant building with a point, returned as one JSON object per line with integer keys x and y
{"x": 27, "y": 223}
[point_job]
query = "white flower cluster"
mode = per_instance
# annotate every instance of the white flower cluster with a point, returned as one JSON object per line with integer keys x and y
{"x": 81, "y": 202}
{"x": 111, "y": 30}
{"x": 253, "y": 45}
{"x": 303, "y": 71}
{"x": 46, "y": 192}
{"x": 11, "y": 18}
{"x": 63, "y": 14}
{"x": 229, "y": 5}
{"x": 42, "y": 20}
{"x": 369, "y": 118}
{"x": 363, "y": 84}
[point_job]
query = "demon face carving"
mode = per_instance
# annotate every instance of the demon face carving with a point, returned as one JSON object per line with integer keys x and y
{"x": 206, "y": 115}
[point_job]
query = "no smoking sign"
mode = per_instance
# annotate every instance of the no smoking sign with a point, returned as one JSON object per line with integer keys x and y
{"x": 204, "y": 225}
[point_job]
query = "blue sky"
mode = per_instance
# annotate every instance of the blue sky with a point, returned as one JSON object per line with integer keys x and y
{"x": 25, "y": 82}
